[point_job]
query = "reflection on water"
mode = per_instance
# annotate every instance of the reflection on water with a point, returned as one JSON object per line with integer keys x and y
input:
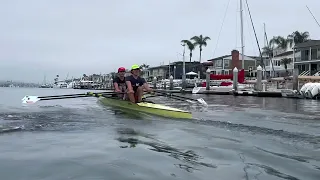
{"x": 189, "y": 157}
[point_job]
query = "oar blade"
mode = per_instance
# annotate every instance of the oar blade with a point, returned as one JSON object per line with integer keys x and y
{"x": 30, "y": 99}
{"x": 202, "y": 101}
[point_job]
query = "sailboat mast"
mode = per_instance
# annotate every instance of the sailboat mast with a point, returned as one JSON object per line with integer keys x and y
{"x": 169, "y": 71}
{"x": 266, "y": 44}
{"x": 241, "y": 22}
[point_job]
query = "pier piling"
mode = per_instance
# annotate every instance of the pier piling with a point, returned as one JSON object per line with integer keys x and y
{"x": 208, "y": 79}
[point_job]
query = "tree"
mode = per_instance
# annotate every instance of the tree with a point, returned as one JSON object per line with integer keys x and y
{"x": 190, "y": 45}
{"x": 267, "y": 51}
{"x": 285, "y": 62}
{"x": 279, "y": 41}
{"x": 113, "y": 75}
{"x": 200, "y": 41}
{"x": 143, "y": 67}
{"x": 298, "y": 37}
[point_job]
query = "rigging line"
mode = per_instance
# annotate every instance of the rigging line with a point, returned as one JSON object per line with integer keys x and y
{"x": 313, "y": 16}
{"x": 225, "y": 14}
{"x": 261, "y": 60}
{"x": 271, "y": 64}
{"x": 250, "y": 33}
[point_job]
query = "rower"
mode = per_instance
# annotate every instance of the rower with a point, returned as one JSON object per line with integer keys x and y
{"x": 136, "y": 85}
{"x": 119, "y": 83}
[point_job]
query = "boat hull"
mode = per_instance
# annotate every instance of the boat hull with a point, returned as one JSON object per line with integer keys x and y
{"x": 146, "y": 107}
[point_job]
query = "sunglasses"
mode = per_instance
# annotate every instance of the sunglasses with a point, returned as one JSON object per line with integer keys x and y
{"x": 121, "y": 71}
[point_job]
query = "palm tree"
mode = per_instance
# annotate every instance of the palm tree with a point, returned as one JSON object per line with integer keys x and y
{"x": 279, "y": 41}
{"x": 285, "y": 62}
{"x": 298, "y": 37}
{"x": 113, "y": 75}
{"x": 267, "y": 51}
{"x": 144, "y": 67}
{"x": 190, "y": 47}
{"x": 200, "y": 41}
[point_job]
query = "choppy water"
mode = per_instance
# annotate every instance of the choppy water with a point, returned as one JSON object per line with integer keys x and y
{"x": 234, "y": 138}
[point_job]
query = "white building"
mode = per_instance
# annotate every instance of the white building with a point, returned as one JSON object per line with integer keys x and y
{"x": 307, "y": 58}
{"x": 275, "y": 62}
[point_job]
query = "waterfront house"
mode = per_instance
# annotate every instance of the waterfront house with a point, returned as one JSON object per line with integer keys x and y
{"x": 176, "y": 69}
{"x": 95, "y": 78}
{"x": 160, "y": 72}
{"x": 223, "y": 66}
{"x": 307, "y": 58}
{"x": 275, "y": 65}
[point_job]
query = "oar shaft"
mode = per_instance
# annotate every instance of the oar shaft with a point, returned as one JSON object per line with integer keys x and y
{"x": 84, "y": 94}
{"x": 64, "y": 97}
{"x": 200, "y": 100}
{"x": 173, "y": 95}
{"x": 183, "y": 97}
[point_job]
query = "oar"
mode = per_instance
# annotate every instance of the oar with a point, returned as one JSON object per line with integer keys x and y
{"x": 82, "y": 94}
{"x": 34, "y": 99}
{"x": 173, "y": 96}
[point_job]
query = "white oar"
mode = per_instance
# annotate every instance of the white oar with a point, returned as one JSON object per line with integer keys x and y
{"x": 183, "y": 98}
{"x": 34, "y": 99}
{"x": 30, "y": 99}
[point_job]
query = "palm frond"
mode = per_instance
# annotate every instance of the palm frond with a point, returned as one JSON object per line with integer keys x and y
{"x": 190, "y": 46}
{"x": 195, "y": 44}
{"x": 195, "y": 39}
{"x": 280, "y": 41}
{"x": 185, "y": 41}
{"x": 305, "y": 35}
{"x": 299, "y": 37}
{"x": 206, "y": 38}
{"x": 286, "y": 61}
{"x": 204, "y": 43}
{"x": 267, "y": 51}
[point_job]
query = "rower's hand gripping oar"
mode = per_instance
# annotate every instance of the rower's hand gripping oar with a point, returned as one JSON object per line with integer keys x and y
{"x": 34, "y": 99}
{"x": 191, "y": 100}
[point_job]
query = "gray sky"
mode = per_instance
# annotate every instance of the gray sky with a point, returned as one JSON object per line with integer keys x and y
{"x": 39, "y": 37}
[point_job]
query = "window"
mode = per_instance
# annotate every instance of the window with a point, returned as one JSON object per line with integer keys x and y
{"x": 305, "y": 55}
{"x": 226, "y": 64}
{"x": 276, "y": 63}
{"x": 218, "y": 63}
{"x": 314, "y": 54}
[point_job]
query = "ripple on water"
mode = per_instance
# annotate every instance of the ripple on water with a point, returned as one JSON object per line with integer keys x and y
{"x": 233, "y": 138}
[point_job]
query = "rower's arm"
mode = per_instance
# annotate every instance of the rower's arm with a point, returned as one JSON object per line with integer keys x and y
{"x": 129, "y": 86}
{"x": 146, "y": 85}
{"x": 116, "y": 86}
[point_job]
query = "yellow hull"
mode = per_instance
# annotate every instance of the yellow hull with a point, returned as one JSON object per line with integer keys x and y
{"x": 145, "y": 107}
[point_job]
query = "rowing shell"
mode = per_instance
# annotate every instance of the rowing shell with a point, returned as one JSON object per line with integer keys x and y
{"x": 147, "y": 107}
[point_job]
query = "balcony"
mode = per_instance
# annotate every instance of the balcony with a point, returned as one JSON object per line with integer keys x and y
{"x": 310, "y": 54}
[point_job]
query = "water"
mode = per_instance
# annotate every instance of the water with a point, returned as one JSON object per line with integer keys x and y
{"x": 233, "y": 138}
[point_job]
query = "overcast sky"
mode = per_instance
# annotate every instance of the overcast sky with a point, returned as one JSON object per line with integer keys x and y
{"x": 49, "y": 37}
